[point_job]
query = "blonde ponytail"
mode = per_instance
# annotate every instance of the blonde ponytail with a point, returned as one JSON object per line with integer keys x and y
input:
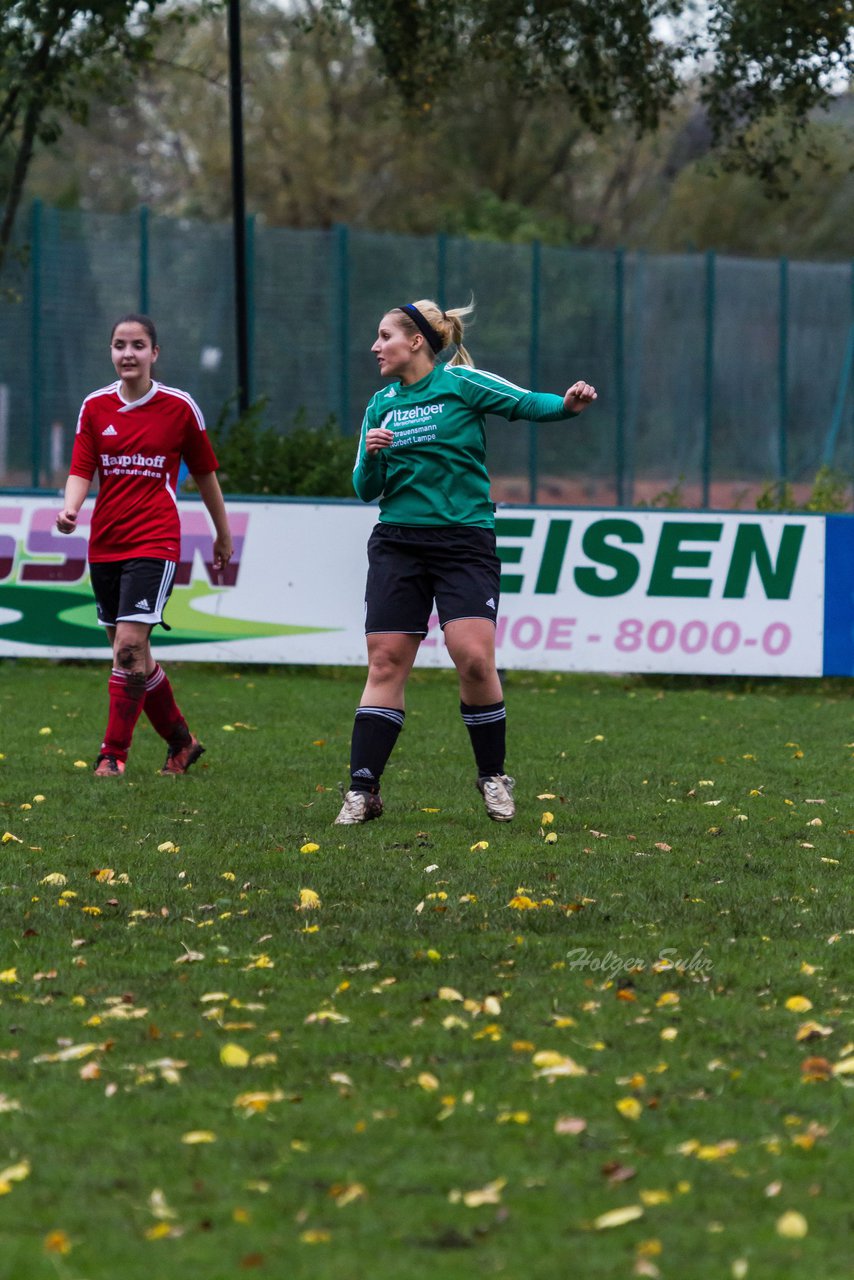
{"x": 447, "y": 324}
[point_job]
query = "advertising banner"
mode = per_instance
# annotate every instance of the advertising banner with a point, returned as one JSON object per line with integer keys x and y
{"x": 582, "y": 590}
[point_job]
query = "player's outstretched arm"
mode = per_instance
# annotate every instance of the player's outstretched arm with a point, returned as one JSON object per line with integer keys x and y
{"x": 76, "y": 489}
{"x": 579, "y": 396}
{"x": 211, "y": 495}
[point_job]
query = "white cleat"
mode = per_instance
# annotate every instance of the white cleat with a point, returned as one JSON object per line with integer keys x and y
{"x": 358, "y": 806}
{"x": 497, "y": 793}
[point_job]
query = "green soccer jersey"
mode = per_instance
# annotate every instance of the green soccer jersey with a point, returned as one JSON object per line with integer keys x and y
{"x": 434, "y": 472}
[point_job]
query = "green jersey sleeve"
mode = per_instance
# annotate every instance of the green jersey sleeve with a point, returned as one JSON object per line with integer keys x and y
{"x": 369, "y": 473}
{"x": 488, "y": 393}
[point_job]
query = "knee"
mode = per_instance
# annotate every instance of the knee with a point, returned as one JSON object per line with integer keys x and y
{"x": 129, "y": 657}
{"x": 387, "y": 664}
{"x": 474, "y": 668}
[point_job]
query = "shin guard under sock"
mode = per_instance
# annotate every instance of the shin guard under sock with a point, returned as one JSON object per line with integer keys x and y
{"x": 162, "y": 709}
{"x": 127, "y": 691}
{"x": 375, "y": 731}
{"x": 487, "y": 728}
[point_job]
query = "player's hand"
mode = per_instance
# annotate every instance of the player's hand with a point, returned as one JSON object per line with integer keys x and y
{"x": 579, "y": 396}
{"x": 223, "y": 550}
{"x": 66, "y": 521}
{"x": 378, "y": 438}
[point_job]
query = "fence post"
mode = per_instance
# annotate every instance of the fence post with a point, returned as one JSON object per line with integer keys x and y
{"x": 783, "y": 374}
{"x": 533, "y": 370}
{"x": 620, "y": 372}
{"x": 250, "y": 307}
{"x": 708, "y": 377}
{"x": 143, "y": 259}
{"x": 442, "y": 269}
{"x": 343, "y": 258}
{"x": 828, "y": 453}
{"x": 35, "y": 342}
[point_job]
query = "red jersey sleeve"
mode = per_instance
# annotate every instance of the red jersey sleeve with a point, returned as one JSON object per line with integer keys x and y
{"x": 84, "y": 456}
{"x": 196, "y": 449}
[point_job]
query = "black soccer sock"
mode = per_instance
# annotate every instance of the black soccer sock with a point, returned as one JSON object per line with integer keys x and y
{"x": 487, "y": 728}
{"x": 375, "y": 731}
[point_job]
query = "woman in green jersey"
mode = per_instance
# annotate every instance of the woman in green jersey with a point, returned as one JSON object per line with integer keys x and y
{"x": 422, "y": 452}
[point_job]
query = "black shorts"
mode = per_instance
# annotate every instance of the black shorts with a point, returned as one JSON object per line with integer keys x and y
{"x": 410, "y": 566}
{"x": 132, "y": 590}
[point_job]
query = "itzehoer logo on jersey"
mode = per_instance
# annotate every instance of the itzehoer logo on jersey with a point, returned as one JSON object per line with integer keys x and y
{"x": 413, "y": 426}
{"x": 133, "y": 464}
{"x": 418, "y": 413}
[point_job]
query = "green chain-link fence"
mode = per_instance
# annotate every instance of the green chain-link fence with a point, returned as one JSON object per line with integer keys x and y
{"x": 716, "y": 376}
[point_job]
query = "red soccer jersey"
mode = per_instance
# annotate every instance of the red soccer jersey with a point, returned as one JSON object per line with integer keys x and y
{"x": 137, "y": 450}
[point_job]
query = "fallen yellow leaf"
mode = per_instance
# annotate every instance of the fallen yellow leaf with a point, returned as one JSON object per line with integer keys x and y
{"x": 521, "y": 902}
{"x": 233, "y": 1055}
{"x": 618, "y": 1217}
{"x": 513, "y": 1117}
{"x": 792, "y": 1225}
{"x": 257, "y": 1101}
{"x": 552, "y": 1065}
{"x": 56, "y": 1242}
{"x": 344, "y": 1194}
{"x": 812, "y": 1031}
{"x": 14, "y": 1173}
{"x": 650, "y": 1198}
{"x": 798, "y": 1004}
{"x": 716, "y": 1150}
{"x": 629, "y": 1107}
{"x": 69, "y": 1054}
{"x": 490, "y": 1194}
{"x": 159, "y": 1231}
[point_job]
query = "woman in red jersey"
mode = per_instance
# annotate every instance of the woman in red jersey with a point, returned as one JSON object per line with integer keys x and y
{"x": 135, "y": 433}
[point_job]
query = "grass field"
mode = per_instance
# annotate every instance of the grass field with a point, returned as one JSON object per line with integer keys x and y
{"x": 614, "y": 1038}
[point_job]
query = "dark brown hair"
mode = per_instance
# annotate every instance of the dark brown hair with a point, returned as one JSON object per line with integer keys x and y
{"x": 146, "y": 322}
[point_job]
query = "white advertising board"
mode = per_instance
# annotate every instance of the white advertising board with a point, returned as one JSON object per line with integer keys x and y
{"x": 582, "y": 590}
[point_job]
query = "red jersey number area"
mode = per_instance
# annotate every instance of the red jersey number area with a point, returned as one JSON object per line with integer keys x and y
{"x": 136, "y": 450}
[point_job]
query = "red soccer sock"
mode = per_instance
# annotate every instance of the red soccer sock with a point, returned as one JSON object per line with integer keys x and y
{"x": 162, "y": 709}
{"x": 126, "y": 697}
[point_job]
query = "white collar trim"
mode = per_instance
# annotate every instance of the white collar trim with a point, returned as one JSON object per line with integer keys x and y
{"x": 136, "y": 404}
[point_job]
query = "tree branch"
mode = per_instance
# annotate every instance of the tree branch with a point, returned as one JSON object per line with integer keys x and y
{"x": 19, "y": 173}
